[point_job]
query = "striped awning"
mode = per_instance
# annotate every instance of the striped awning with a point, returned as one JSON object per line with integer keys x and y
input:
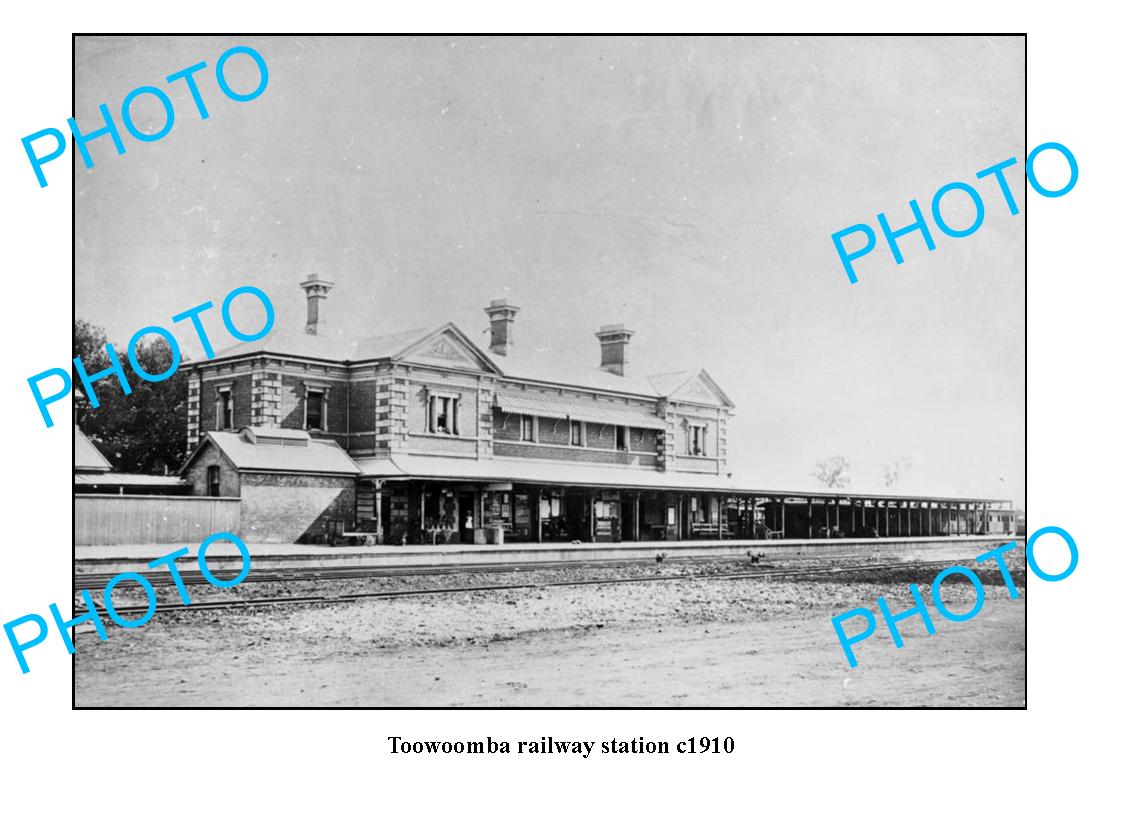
{"x": 555, "y": 408}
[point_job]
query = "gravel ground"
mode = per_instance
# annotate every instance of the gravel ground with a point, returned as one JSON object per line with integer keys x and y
{"x": 704, "y": 642}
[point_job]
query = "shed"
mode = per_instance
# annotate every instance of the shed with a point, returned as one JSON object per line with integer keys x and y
{"x": 293, "y": 488}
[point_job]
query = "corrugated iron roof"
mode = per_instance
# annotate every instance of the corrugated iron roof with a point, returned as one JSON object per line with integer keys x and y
{"x": 558, "y": 408}
{"x": 318, "y": 456}
{"x": 533, "y": 471}
{"x": 553, "y": 367}
{"x": 86, "y": 456}
{"x": 537, "y": 472}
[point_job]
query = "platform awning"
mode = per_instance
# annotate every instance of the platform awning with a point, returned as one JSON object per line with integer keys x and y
{"x": 554, "y": 408}
{"x": 422, "y": 467}
{"x": 441, "y": 468}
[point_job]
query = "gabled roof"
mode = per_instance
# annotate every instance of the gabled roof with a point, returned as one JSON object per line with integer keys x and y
{"x": 440, "y": 335}
{"x": 87, "y": 457}
{"x": 699, "y": 387}
{"x": 667, "y": 383}
{"x": 250, "y": 450}
{"x": 519, "y": 363}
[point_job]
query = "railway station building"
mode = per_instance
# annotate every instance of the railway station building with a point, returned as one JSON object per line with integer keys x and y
{"x": 424, "y": 436}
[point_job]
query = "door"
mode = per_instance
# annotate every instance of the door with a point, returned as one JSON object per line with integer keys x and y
{"x": 627, "y": 519}
{"x": 576, "y": 516}
{"x": 466, "y": 518}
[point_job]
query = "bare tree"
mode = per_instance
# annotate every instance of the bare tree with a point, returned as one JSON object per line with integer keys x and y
{"x": 893, "y": 473}
{"x": 833, "y": 472}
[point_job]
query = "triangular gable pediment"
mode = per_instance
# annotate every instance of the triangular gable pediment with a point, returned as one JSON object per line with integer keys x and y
{"x": 701, "y": 389}
{"x": 448, "y": 347}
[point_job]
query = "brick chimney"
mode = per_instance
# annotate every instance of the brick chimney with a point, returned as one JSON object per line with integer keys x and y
{"x": 315, "y": 290}
{"x": 502, "y": 316}
{"x": 614, "y": 348}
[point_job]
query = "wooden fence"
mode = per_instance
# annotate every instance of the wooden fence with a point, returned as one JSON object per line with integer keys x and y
{"x": 153, "y": 519}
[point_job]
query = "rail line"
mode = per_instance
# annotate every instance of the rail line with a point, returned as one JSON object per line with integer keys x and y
{"x": 401, "y": 593}
{"x": 96, "y": 581}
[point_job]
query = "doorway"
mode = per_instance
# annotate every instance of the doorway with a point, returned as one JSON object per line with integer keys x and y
{"x": 466, "y": 521}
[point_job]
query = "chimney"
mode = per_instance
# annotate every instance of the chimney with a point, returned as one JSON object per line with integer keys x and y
{"x": 614, "y": 348}
{"x": 502, "y": 315}
{"x": 316, "y": 290}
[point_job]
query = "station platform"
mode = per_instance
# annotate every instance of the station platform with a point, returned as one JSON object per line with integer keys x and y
{"x": 224, "y": 555}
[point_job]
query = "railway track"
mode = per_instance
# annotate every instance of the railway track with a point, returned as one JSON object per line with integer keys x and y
{"x": 200, "y": 606}
{"x": 97, "y": 581}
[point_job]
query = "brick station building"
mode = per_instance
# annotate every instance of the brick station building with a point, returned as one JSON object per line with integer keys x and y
{"x": 423, "y": 436}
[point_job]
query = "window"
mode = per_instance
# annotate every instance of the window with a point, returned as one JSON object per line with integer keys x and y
{"x": 526, "y": 428}
{"x": 697, "y": 440}
{"x": 224, "y": 409}
{"x": 314, "y": 413}
{"x": 621, "y": 437}
{"x": 444, "y": 414}
{"x": 214, "y": 483}
{"x": 605, "y": 509}
{"x": 576, "y": 432}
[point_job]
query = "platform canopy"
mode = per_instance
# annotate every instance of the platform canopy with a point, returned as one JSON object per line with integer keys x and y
{"x": 402, "y": 467}
{"x": 439, "y": 468}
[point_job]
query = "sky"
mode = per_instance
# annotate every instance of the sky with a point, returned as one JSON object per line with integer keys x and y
{"x": 687, "y": 187}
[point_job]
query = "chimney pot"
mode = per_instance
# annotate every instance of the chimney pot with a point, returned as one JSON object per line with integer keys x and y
{"x": 614, "y": 339}
{"x": 315, "y": 290}
{"x": 502, "y": 316}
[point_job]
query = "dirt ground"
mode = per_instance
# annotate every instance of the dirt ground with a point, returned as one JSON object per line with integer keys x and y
{"x": 761, "y": 642}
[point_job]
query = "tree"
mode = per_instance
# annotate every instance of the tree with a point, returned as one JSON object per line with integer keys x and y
{"x": 894, "y": 472}
{"x": 142, "y": 432}
{"x": 833, "y": 472}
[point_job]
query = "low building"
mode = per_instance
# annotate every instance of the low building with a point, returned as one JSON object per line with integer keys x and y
{"x": 423, "y": 436}
{"x": 292, "y": 487}
{"x": 94, "y": 474}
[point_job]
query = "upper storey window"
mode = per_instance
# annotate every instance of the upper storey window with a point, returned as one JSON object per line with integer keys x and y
{"x": 224, "y": 409}
{"x": 315, "y": 415}
{"x": 576, "y": 432}
{"x": 697, "y": 440}
{"x": 444, "y": 414}
{"x": 526, "y": 428}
